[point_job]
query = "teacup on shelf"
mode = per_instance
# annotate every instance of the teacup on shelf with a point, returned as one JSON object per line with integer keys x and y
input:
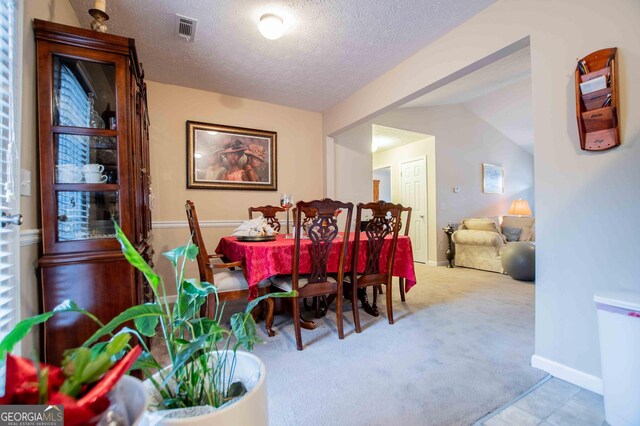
{"x": 95, "y": 177}
{"x": 93, "y": 168}
{"x": 68, "y": 173}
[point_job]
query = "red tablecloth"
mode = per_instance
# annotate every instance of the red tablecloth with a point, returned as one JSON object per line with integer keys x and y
{"x": 266, "y": 259}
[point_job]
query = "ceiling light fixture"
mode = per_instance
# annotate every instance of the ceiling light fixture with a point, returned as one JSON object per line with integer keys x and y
{"x": 271, "y": 26}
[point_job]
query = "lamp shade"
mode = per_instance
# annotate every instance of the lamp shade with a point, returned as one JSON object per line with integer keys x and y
{"x": 520, "y": 207}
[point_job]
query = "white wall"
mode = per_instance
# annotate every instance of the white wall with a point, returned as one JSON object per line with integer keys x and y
{"x": 583, "y": 199}
{"x": 463, "y": 142}
{"x": 510, "y": 110}
{"x": 353, "y": 173}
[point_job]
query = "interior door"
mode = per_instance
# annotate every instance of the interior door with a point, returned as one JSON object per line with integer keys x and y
{"x": 413, "y": 181}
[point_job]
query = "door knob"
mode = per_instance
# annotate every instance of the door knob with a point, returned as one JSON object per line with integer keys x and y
{"x": 13, "y": 219}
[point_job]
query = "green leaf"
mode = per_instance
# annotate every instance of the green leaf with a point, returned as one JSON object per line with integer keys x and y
{"x": 95, "y": 369}
{"x": 98, "y": 348}
{"x": 208, "y": 326}
{"x": 175, "y": 254}
{"x": 68, "y": 306}
{"x": 43, "y": 381}
{"x": 146, "y": 361}
{"x": 184, "y": 356}
{"x": 139, "y": 311}
{"x": 117, "y": 343}
{"x": 19, "y": 331}
{"x": 244, "y": 328}
{"x": 134, "y": 258}
{"x": 190, "y": 251}
{"x": 147, "y": 325}
{"x": 79, "y": 361}
{"x": 24, "y": 327}
{"x": 276, "y": 295}
{"x": 193, "y": 287}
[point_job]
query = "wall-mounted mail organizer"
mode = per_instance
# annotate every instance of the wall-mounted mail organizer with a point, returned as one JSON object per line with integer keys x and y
{"x": 597, "y": 103}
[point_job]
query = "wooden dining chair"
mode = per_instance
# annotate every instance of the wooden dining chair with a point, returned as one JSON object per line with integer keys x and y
{"x": 407, "y": 223}
{"x": 322, "y": 231}
{"x": 269, "y": 213}
{"x": 230, "y": 282}
{"x": 385, "y": 222}
{"x": 309, "y": 213}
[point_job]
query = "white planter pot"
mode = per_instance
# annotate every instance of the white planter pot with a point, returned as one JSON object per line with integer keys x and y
{"x": 250, "y": 409}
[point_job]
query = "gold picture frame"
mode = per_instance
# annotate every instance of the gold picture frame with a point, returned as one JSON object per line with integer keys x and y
{"x": 226, "y": 157}
{"x": 492, "y": 179}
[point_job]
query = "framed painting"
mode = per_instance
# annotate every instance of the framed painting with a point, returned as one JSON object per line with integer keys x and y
{"x": 225, "y": 157}
{"x": 492, "y": 179}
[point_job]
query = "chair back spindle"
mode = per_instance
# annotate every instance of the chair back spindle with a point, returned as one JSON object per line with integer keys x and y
{"x": 269, "y": 213}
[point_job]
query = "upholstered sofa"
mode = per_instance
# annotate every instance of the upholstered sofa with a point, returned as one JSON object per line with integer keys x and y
{"x": 478, "y": 240}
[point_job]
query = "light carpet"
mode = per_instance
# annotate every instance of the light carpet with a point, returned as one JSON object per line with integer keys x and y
{"x": 460, "y": 348}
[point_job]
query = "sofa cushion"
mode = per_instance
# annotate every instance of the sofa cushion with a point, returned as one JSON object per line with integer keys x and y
{"x": 512, "y": 234}
{"x": 526, "y": 223}
{"x": 477, "y": 238}
{"x": 481, "y": 224}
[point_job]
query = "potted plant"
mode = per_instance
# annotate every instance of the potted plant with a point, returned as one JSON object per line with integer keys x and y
{"x": 207, "y": 379}
{"x": 89, "y": 384}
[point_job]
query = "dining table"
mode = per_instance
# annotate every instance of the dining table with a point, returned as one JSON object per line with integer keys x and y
{"x": 265, "y": 259}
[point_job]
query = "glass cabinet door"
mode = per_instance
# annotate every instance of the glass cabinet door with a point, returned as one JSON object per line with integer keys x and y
{"x": 85, "y": 159}
{"x": 84, "y": 215}
{"x": 85, "y": 139}
{"x": 84, "y": 93}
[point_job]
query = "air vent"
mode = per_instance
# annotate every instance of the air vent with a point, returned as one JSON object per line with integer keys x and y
{"x": 186, "y": 27}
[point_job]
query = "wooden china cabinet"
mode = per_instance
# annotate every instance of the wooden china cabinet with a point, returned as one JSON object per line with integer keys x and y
{"x": 94, "y": 166}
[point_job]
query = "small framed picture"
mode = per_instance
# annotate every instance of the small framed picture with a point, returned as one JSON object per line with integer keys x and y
{"x": 492, "y": 179}
{"x": 225, "y": 157}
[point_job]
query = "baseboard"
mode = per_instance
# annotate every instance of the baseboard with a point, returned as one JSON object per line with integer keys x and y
{"x": 438, "y": 263}
{"x": 568, "y": 374}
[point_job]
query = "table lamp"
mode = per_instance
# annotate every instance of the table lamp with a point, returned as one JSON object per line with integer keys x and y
{"x": 520, "y": 207}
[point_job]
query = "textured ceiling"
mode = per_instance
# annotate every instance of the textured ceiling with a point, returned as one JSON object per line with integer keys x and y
{"x": 388, "y": 137}
{"x": 331, "y": 48}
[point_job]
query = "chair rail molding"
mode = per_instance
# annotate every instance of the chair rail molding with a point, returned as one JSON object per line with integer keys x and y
{"x": 29, "y": 237}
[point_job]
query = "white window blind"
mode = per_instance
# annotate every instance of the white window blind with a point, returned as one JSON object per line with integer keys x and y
{"x": 8, "y": 152}
{"x": 72, "y": 149}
